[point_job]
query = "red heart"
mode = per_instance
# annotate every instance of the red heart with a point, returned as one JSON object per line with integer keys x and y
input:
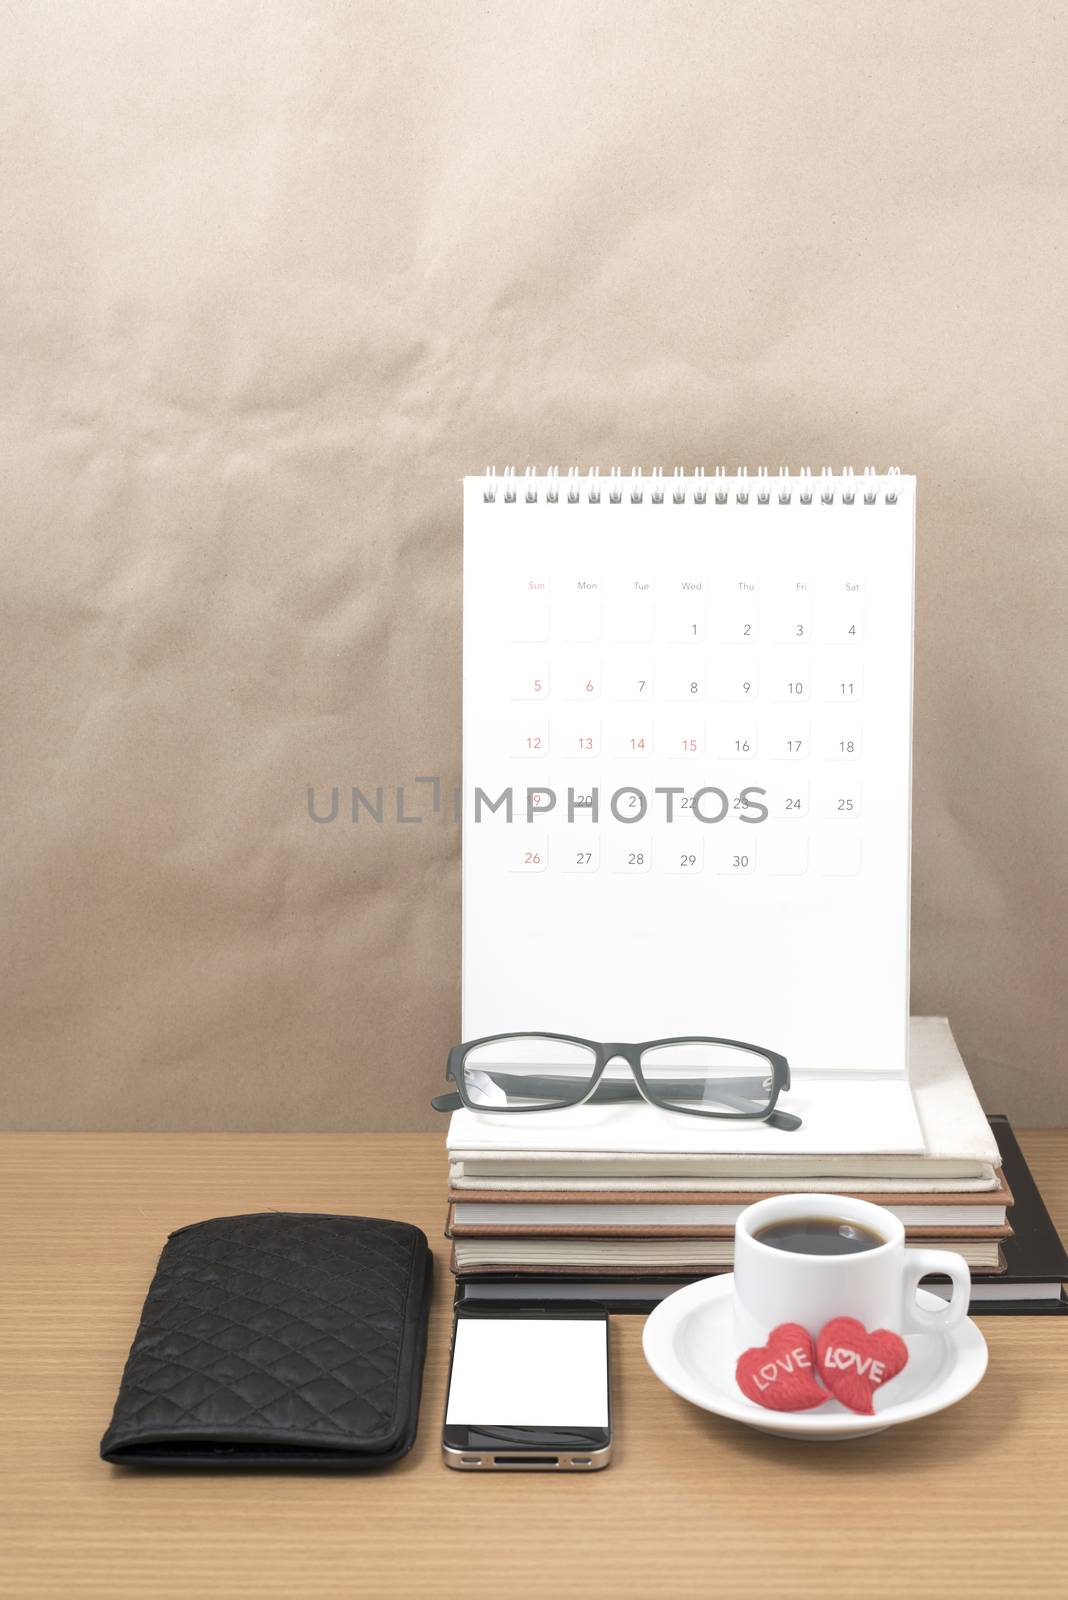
{"x": 853, "y": 1363}
{"x": 780, "y": 1374}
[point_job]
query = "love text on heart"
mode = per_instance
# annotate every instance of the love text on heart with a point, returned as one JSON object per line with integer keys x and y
{"x": 795, "y": 1360}
{"x": 839, "y": 1359}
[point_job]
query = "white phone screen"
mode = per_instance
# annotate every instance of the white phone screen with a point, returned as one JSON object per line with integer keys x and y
{"x": 529, "y": 1372}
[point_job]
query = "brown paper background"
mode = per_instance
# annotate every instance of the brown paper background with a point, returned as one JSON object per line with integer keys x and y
{"x": 275, "y": 275}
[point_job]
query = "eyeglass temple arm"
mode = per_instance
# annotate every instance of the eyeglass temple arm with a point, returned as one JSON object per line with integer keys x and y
{"x": 785, "y": 1121}
{"x": 727, "y": 1089}
{"x": 447, "y": 1102}
{"x": 607, "y": 1089}
{"x": 610, "y": 1089}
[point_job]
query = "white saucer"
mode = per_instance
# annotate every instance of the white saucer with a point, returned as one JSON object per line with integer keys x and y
{"x": 689, "y": 1343}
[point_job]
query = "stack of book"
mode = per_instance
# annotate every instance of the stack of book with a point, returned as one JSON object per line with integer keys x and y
{"x": 626, "y": 1216}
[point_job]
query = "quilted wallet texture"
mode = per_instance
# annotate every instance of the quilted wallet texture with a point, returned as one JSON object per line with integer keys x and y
{"x": 274, "y": 1340}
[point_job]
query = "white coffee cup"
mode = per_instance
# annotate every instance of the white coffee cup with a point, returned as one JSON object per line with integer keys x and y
{"x": 876, "y": 1286}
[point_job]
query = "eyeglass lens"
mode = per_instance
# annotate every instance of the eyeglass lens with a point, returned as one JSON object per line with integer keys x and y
{"x": 525, "y": 1071}
{"x": 693, "y": 1075}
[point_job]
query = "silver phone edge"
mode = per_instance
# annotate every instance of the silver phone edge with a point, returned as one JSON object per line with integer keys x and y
{"x": 554, "y": 1460}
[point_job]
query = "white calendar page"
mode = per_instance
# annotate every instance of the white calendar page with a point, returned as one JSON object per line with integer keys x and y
{"x": 698, "y": 693}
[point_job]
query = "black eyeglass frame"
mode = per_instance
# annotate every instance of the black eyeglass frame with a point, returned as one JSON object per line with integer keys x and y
{"x": 603, "y": 1053}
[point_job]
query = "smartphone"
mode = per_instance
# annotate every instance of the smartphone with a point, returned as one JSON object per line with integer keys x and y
{"x": 529, "y": 1389}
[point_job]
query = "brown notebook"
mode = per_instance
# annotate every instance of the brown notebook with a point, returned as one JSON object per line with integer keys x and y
{"x": 673, "y": 1230}
{"x": 684, "y": 1271}
{"x": 518, "y": 1214}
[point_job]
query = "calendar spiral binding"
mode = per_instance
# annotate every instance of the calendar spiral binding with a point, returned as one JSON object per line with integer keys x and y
{"x": 865, "y": 488}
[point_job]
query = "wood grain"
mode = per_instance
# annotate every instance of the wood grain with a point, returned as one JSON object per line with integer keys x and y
{"x": 968, "y": 1501}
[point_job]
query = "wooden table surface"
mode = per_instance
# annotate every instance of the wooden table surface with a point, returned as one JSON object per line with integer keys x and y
{"x": 972, "y": 1501}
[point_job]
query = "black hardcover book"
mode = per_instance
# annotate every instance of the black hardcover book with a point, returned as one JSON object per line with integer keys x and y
{"x": 1036, "y": 1260}
{"x": 614, "y": 1294}
{"x": 1036, "y": 1265}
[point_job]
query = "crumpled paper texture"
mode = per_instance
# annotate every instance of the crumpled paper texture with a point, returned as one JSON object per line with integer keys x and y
{"x": 274, "y": 276}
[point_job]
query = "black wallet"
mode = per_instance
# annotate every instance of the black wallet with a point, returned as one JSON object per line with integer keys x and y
{"x": 274, "y": 1340}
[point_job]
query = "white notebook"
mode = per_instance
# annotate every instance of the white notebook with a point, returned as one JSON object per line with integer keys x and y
{"x": 583, "y": 1216}
{"x": 693, "y": 697}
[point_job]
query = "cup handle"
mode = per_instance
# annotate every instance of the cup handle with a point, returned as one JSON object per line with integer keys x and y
{"x": 918, "y": 1263}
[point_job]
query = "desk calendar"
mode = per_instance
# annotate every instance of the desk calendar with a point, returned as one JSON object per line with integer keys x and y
{"x": 687, "y": 759}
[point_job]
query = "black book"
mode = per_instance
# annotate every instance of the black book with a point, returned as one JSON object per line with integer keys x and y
{"x": 1035, "y": 1259}
{"x": 1031, "y": 1285}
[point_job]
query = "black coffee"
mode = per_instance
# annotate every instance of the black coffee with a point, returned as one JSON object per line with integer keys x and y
{"x": 819, "y": 1236}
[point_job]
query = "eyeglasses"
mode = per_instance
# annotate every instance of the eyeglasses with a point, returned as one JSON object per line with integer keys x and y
{"x": 550, "y": 1071}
